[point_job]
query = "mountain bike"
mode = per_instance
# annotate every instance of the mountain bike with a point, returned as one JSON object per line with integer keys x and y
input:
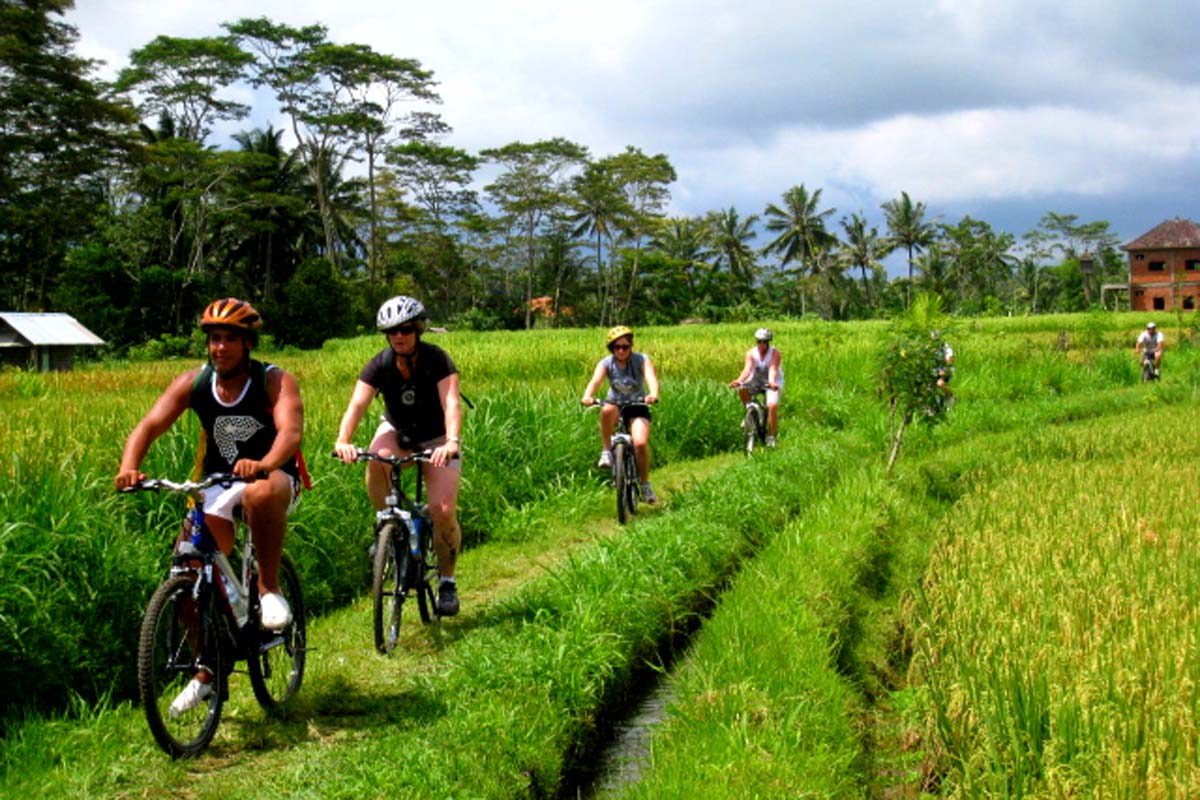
{"x": 403, "y": 557}
{"x": 625, "y": 477}
{"x": 754, "y": 421}
{"x": 1149, "y": 373}
{"x": 205, "y": 617}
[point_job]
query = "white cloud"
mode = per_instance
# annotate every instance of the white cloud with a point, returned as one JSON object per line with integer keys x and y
{"x": 959, "y": 102}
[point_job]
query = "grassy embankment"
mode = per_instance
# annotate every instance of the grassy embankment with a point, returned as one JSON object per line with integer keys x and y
{"x": 1057, "y": 387}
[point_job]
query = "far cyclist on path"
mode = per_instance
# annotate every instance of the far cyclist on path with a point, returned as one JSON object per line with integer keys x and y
{"x": 943, "y": 369}
{"x": 762, "y": 372}
{"x": 631, "y": 379}
{"x": 1150, "y": 345}
{"x": 419, "y": 385}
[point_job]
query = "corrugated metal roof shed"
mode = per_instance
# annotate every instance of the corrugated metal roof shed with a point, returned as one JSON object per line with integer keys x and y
{"x": 46, "y": 329}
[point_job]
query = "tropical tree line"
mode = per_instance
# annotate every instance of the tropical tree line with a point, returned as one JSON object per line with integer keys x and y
{"x": 117, "y": 206}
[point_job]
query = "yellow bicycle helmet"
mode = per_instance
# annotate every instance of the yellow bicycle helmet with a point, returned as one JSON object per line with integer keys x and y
{"x": 229, "y": 312}
{"x": 617, "y": 333}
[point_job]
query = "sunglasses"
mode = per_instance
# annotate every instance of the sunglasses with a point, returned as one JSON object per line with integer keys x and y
{"x": 621, "y": 346}
{"x": 404, "y": 329}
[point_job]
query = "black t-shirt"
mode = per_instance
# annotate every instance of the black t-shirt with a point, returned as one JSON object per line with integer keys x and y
{"x": 412, "y": 406}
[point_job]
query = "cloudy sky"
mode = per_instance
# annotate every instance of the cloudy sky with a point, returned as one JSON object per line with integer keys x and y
{"x": 1003, "y": 111}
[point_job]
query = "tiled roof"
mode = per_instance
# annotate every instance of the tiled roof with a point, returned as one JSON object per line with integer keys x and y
{"x": 48, "y": 329}
{"x": 1170, "y": 234}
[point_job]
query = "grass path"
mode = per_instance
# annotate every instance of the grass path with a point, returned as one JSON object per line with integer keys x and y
{"x": 350, "y": 692}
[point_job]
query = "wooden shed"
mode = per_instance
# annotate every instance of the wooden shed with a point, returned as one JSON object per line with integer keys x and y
{"x": 1164, "y": 267}
{"x": 44, "y": 342}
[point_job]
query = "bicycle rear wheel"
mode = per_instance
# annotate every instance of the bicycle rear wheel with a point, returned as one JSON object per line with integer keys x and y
{"x": 387, "y": 587}
{"x": 423, "y": 582}
{"x": 179, "y": 633}
{"x": 620, "y": 479}
{"x": 276, "y": 658}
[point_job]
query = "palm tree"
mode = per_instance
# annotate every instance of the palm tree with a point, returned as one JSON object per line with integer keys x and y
{"x": 685, "y": 240}
{"x": 801, "y": 231}
{"x": 936, "y": 271}
{"x": 908, "y": 228}
{"x": 731, "y": 236}
{"x": 274, "y": 222}
{"x": 601, "y": 210}
{"x": 863, "y": 248}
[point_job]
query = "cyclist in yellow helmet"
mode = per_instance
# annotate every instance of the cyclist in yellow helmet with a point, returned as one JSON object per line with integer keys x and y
{"x": 631, "y": 378}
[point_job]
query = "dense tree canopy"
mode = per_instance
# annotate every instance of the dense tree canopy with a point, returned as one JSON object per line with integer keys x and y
{"x": 117, "y": 204}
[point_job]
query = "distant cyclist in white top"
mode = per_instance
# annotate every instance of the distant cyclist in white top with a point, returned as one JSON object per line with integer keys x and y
{"x": 1150, "y": 342}
{"x": 763, "y": 372}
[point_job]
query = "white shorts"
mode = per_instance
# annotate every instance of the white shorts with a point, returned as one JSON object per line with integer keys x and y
{"x": 224, "y": 502}
{"x": 387, "y": 429}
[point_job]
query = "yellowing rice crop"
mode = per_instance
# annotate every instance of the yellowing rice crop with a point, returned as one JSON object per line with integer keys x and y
{"x": 1061, "y": 622}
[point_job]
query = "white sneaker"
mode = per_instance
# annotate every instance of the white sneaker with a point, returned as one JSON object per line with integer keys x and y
{"x": 648, "y": 494}
{"x": 274, "y": 611}
{"x": 192, "y": 695}
{"x": 770, "y": 441}
{"x": 605, "y": 459}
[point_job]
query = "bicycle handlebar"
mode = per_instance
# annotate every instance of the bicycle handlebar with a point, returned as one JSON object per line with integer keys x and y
{"x": 599, "y": 401}
{"x": 187, "y": 487}
{"x": 363, "y": 454}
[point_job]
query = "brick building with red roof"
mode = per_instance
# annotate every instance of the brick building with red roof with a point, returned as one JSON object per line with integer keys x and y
{"x": 1164, "y": 267}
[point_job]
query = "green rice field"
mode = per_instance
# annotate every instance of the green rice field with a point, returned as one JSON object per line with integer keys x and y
{"x": 1011, "y": 613}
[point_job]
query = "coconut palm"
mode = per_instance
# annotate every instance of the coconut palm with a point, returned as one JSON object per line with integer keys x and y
{"x": 800, "y": 225}
{"x": 731, "y": 237}
{"x": 908, "y": 228}
{"x": 863, "y": 248}
{"x": 600, "y": 210}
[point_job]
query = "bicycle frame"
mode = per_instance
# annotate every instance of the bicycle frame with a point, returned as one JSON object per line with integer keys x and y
{"x": 626, "y": 476}
{"x": 755, "y": 413}
{"x": 204, "y": 617}
{"x": 402, "y": 555}
{"x": 202, "y": 546}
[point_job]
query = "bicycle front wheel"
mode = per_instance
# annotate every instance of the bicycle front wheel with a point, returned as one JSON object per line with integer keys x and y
{"x": 620, "y": 481}
{"x": 179, "y": 634}
{"x": 387, "y": 586}
{"x": 750, "y": 427}
{"x": 276, "y": 658}
{"x": 633, "y": 486}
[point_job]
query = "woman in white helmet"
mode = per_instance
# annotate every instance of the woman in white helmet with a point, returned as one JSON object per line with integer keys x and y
{"x": 419, "y": 385}
{"x": 762, "y": 372}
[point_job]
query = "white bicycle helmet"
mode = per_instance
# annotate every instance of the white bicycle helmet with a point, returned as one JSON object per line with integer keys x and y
{"x": 399, "y": 310}
{"x": 763, "y": 335}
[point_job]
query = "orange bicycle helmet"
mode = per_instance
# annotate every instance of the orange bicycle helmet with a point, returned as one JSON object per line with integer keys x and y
{"x": 230, "y": 312}
{"x": 617, "y": 333}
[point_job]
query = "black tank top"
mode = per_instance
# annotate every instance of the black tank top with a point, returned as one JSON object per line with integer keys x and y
{"x": 242, "y": 429}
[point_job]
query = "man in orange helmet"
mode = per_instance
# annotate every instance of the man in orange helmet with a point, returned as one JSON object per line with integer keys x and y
{"x": 253, "y": 420}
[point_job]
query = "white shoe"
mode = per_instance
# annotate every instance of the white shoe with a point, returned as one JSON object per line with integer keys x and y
{"x": 770, "y": 441}
{"x": 605, "y": 459}
{"x": 274, "y": 611}
{"x": 192, "y": 695}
